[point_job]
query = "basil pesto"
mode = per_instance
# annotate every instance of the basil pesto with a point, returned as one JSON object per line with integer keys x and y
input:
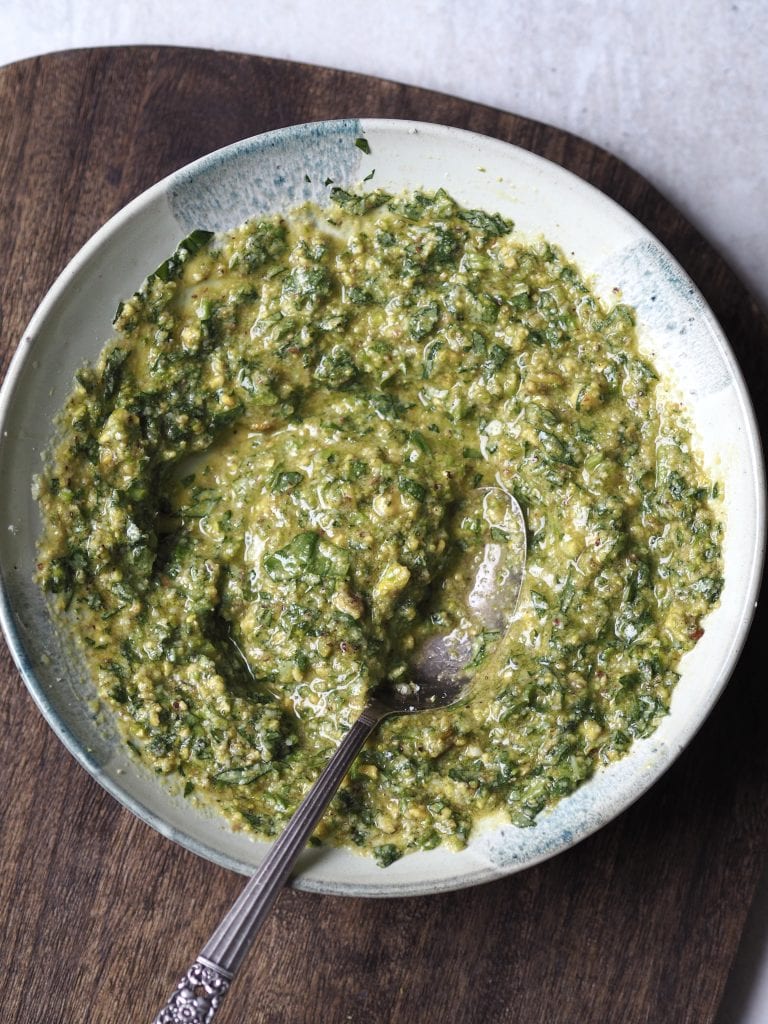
{"x": 257, "y": 495}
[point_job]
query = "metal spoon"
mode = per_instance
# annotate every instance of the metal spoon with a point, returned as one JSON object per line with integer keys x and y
{"x": 439, "y": 678}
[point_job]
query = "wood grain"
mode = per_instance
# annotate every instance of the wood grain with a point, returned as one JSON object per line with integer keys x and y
{"x": 637, "y": 924}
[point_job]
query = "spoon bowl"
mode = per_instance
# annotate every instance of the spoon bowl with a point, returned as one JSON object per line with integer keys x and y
{"x": 493, "y": 582}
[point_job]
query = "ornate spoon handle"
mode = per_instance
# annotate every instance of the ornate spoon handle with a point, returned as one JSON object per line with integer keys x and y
{"x": 200, "y": 992}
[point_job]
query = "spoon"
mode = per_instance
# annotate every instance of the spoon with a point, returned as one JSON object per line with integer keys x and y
{"x": 439, "y": 674}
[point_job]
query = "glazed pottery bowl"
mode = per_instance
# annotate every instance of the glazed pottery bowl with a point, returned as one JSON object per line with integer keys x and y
{"x": 277, "y": 171}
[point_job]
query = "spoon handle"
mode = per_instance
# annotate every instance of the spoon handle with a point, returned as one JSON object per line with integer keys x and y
{"x": 199, "y": 993}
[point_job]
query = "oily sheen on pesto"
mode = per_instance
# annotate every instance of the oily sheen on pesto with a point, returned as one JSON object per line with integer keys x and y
{"x": 261, "y": 490}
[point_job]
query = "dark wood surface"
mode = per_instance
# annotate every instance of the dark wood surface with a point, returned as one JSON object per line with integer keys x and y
{"x": 637, "y": 924}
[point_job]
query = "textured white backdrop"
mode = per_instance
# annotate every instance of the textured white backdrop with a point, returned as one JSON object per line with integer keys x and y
{"x": 676, "y": 88}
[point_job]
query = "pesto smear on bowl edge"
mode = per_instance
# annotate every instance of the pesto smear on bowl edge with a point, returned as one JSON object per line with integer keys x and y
{"x": 256, "y": 496}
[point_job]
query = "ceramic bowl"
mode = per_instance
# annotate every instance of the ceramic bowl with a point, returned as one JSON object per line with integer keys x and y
{"x": 275, "y": 172}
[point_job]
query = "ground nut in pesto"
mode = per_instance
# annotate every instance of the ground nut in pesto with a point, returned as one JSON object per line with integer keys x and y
{"x": 258, "y": 492}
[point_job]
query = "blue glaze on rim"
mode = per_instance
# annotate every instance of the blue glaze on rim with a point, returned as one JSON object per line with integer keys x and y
{"x": 285, "y": 177}
{"x": 671, "y": 302}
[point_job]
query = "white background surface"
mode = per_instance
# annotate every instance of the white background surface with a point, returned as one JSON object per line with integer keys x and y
{"x": 676, "y": 88}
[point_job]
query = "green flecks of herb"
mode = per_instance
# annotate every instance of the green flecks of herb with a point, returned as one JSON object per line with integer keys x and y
{"x": 644, "y": 371}
{"x": 285, "y": 480}
{"x": 488, "y": 308}
{"x": 483, "y": 646}
{"x": 677, "y": 485}
{"x": 293, "y": 560}
{"x": 539, "y": 602}
{"x": 336, "y": 369}
{"x": 307, "y": 179}
{"x": 242, "y": 776}
{"x": 161, "y": 744}
{"x": 446, "y": 249}
{"x": 129, "y": 652}
{"x": 471, "y": 524}
{"x": 314, "y": 252}
{"x": 499, "y": 536}
{"x": 266, "y": 241}
{"x": 260, "y": 823}
{"x": 369, "y": 177}
{"x": 472, "y": 453}
{"x": 113, "y": 372}
{"x": 412, "y": 488}
{"x": 307, "y": 284}
{"x": 171, "y": 268}
{"x": 491, "y": 225}
{"x": 567, "y": 593}
{"x": 468, "y": 772}
{"x": 359, "y": 204}
{"x": 386, "y": 406}
{"x": 359, "y": 296}
{"x": 436, "y": 248}
{"x": 639, "y": 580}
{"x": 555, "y": 449}
{"x": 337, "y": 322}
{"x": 89, "y": 447}
{"x": 416, "y": 437}
{"x": 225, "y": 416}
{"x": 195, "y": 241}
{"x": 386, "y": 854}
{"x": 497, "y": 357}
{"x": 710, "y": 587}
{"x": 424, "y": 320}
{"x": 645, "y": 713}
{"x": 358, "y": 468}
{"x": 61, "y": 571}
{"x": 629, "y": 624}
{"x": 611, "y": 374}
{"x": 307, "y": 553}
{"x": 330, "y": 560}
{"x": 412, "y": 206}
{"x": 363, "y": 145}
{"x": 629, "y": 681}
{"x": 259, "y": 390}
{"x": 621, "y": 315}
{"x": 521, "y": 301}
{"x": 430, "y": 355}
{"x": 189, "y": 787}
{"x": 119, "y": 693}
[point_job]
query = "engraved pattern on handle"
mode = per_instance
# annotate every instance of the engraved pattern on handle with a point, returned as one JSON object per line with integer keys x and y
{"x": 197, "y": 996}
{"x": 232, "y": 939}
{"x": 199, "y": 993}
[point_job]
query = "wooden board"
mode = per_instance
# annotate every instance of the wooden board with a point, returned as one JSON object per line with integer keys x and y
{"x": 99, "y": 914}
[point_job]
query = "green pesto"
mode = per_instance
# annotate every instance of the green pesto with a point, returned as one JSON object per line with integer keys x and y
{"x": 259, "y": 495}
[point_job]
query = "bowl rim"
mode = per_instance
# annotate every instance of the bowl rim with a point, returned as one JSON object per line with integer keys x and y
{"x": 439, "y": 133}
